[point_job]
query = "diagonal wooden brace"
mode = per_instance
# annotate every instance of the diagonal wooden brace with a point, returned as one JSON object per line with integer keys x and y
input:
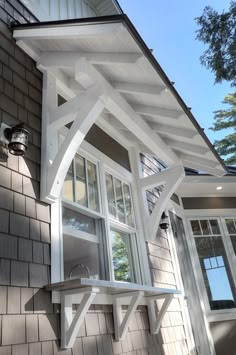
{"x": 70, "y": 325}
{"x": 121, "y": 325}
{"x": 155, "y": 320}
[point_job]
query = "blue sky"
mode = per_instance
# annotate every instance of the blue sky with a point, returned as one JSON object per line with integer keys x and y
{"x": 168, "y": 27}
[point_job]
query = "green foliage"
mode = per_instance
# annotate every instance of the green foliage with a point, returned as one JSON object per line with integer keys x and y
{"x": 218, "y": 32}
{"x": 227, "y": 119}
{"x": 120, "y": 258}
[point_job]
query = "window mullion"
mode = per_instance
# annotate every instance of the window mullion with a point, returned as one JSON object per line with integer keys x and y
{"x": 86, "y": 182}
{"x": 123, "y": 197}
{"x": 74, "y": 180}
{"x": 114, "y": 189}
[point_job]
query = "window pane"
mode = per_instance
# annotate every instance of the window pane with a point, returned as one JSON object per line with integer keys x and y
{"x": 92, "y": 186}
{"x": 81, "y": 258}
{"x": 233, "y": 240}
{"x": 122, "y": 257}
{"x": 214, "y": 226}
{"x": 196, "y": 227}
{"x": 80, "y": 184}
{"x": 205, "y": 227}
{"x": 78, "y": 221}
{"x": 231, "y": 226}
{"x": 110, "y": 195}
{"x": 216, "y": 272}
{"x": 67, "y": 191}
{"x": 119, "y": 201}
{"x": 128, "y": 205}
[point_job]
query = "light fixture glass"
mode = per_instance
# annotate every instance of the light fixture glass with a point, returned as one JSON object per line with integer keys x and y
{"x": 219, "y": 188}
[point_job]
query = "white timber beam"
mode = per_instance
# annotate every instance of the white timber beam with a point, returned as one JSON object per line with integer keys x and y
{"x": 156, "y": 111}
{"x": 122, "y": 110}
{"x": 186, "y": 146}
{"x": 155, "y": 320}
{"x": 137, "y": 88}
{"x": 70, "y": 325}
{"x": 170, "y": 130}
{"x": 32, "y": 51}
{"x": 56, "y": 173}
{"x": 201, "y": 161}
{"x": 218, "y": 171}
{"x": 67, "y": 112}
{"x": 170, "y": 179}
{"x": 65, "y": 32}
{"x": 68, "y": 59}
{"x": 121, "y": 324}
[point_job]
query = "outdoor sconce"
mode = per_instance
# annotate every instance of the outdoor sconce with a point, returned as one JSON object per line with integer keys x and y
{"x": 164, "y": 223}
{"x": 14, "y": 138}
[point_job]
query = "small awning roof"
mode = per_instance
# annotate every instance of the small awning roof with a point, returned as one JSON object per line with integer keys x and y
{"x": 117, "y": 51}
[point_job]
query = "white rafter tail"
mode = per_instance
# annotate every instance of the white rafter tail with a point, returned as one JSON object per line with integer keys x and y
{"x": 155, "y": 320}
{"x": 122, "y": 110}
{"x": 86, "y": 117}
{"x": 156, "y": 111}
{"x": 137, "y": 88}
{"x": 68, "y": 59}
{"x": 121, "y": 325}
{"x": 171, "y": 179}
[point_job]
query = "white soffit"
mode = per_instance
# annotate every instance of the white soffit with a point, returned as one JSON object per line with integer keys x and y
{"x": 205, "y": 186}
{"x": 115, "y": 50}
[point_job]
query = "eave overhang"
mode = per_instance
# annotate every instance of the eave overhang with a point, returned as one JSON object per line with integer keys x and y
{"x": 115, "y": 48}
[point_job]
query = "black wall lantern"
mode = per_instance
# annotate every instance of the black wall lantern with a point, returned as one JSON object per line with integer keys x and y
{"x": 164, "y": 222}
{"x": 14, "y": 138}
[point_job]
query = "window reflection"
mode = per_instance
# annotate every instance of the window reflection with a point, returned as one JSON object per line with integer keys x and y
{"x": 68, "y": 191}
{"x": 78, "y": 221}
{"x": 122, "y": 256}
{"x": 216, "y": 272}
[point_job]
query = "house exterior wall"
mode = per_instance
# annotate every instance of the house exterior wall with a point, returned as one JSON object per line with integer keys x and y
{"x": 29, "y": 322}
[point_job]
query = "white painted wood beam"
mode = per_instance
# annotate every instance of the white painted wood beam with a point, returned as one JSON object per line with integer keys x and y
{"x": 68, "y": 59}
{"x": 186, "y": 146}
{"x": 113, "y": 131}
{"x": 65, "y": 32}
{"x": 121, "y": 109}
{"x": 218, "y": 171}
{"x": 156, "y": 111}
{"x": 201, "y": 161}
{"x": 121, "y": 325}
{"x": 155, "y": 321}
{"x": 67, "y": 112}
{"x": 170, "y": 130}
{"x": 86, "y": 117}
{"x": 32, "y": 51}
{"x": 135, "y": 88}
{"x": 171, "y": 179}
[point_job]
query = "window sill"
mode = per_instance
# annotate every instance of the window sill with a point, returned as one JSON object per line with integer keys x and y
{"x": 221, "y": 315}
{"x": 91, "y": 291}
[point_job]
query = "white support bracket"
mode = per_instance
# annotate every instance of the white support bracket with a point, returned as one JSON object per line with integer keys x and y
{"x": 171, "y": 179}
{"x": 121, "y": 325}
{"x": 155, "y": 320}
{"x": 70, "y": 325}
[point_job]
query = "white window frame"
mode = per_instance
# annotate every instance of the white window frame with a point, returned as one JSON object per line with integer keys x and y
{"x": 213, "y": 315}
{"x": 103, "y": 164}
{"x": 114, "y": 224}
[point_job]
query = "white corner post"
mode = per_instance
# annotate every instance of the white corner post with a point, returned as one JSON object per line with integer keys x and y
{"x": 170, "y": 179}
